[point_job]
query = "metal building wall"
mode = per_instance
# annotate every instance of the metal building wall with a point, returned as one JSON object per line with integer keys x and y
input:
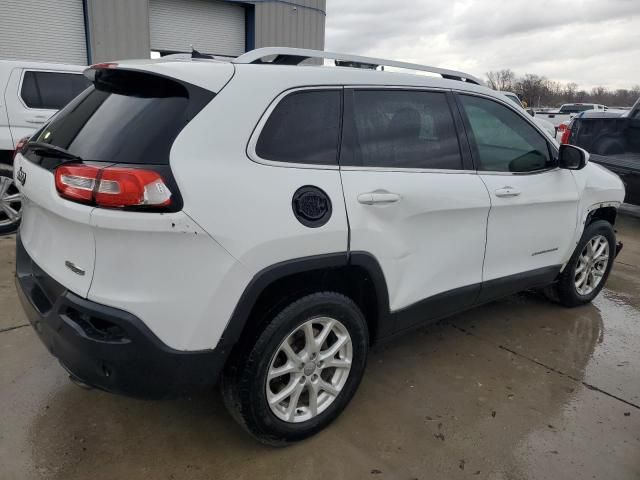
{"x": 117, "y": 29}
{"x": 210, "y": 26}
{"x": 43, "y": 31}
{"x": 292, "y": 23}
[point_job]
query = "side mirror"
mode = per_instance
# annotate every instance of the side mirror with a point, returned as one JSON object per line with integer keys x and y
{"x": 531, "y": 112}
{"x": 572, "y": 157}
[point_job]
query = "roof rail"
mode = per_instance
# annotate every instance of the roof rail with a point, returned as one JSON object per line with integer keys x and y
{"x": 294, "y": 56}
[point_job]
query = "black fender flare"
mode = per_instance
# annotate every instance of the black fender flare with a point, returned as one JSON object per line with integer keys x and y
{"x": 265, "y": 277}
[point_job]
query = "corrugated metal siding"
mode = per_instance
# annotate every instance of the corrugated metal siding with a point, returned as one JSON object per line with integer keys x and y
{"x": 118, "y": 29}
{"x": 43, "y": 30}
{"x": 285, "y": 25}
{"x": 210, "y": 26}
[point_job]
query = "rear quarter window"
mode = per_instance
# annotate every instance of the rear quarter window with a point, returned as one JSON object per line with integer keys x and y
{"x": 304, "y": 127}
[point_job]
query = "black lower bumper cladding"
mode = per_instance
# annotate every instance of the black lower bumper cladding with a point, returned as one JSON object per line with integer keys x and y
{"x": 107, "y": 348}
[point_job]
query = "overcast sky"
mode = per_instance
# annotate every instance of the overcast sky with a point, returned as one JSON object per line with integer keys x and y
{"x": 590, "y": 42}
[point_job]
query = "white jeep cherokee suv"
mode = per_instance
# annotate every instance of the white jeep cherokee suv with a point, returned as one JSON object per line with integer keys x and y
{"x": 266, "y": 222}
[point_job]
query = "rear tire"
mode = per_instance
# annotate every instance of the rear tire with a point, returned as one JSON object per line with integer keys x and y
{"x": 299, "y": 340}
{"x": 586, "y": 272}
{"x": 8, "y": 209}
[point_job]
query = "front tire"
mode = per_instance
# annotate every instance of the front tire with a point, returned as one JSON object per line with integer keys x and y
{"x": 302, "y": 370}
{"x": 588, "y": 269}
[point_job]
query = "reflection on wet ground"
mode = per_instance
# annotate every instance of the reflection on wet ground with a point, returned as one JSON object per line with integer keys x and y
{"x": 516, "y": 389}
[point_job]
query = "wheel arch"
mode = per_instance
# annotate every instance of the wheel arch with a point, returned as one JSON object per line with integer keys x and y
{"x": 356, "y": 275}
{"x": 599, "y": 211}
{"x": 608, "y": 213}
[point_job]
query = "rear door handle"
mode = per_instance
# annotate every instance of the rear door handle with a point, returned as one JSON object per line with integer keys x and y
{"x": 378, "y": 197}
{"x": 507, "y": 192}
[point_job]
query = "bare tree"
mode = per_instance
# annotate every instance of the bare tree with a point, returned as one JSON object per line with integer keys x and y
{"x": 599, "y": 95}
{"x": 538, "y": 91}
{"x": 570, "y": 91}
{"x": 503, "y": 80}
{"x": 531, "y": 88}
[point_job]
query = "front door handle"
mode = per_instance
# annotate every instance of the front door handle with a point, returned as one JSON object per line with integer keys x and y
{"x": 378, "y": 198}
{"x": 507, "y": 192}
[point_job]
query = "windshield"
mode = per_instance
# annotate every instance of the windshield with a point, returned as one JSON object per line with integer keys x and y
{"x": 125, "y": 117}
{"x": 575, "y": 108}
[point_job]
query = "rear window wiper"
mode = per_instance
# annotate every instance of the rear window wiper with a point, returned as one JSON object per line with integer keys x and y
{"x": 48, "y": 150}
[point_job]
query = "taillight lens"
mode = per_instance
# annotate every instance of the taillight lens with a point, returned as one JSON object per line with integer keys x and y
{"x": 114, "y": 187}
{"x": 77, "y": 182}
{"x": 20, "y": 146}
{"x": 566, "y": 133}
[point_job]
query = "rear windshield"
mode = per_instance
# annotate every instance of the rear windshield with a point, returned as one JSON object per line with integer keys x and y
{"x": 125, "y": 117}
{"x": 575, "y": 108}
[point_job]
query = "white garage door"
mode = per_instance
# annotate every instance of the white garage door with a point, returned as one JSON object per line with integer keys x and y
{"x": 43, "y": 30}
{"x": 210, "y": 26}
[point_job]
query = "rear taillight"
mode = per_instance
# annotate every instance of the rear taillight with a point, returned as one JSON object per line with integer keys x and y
{"x": 20, "y": 146}
{"x": 114, "y": 187}
{"x": 77, "y": 182}
{"x": 566, "y": 133}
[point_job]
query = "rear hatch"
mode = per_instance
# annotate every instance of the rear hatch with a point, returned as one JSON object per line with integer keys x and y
{"x": 55, "y": 233}
{"x": 97, "y": 153}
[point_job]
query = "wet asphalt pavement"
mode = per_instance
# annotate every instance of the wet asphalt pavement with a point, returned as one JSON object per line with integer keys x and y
{"x": 517, "y": 389}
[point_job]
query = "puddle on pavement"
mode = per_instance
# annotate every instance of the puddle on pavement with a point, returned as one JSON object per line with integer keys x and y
{"x": 427, "y": 403}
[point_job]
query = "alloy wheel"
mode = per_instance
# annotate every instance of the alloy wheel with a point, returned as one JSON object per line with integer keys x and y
{"x": 10, "y": 202}
{"x": 592, "y": 265}
{"x": 309, "y": 370}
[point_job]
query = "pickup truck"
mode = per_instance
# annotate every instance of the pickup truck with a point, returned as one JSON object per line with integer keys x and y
{"x": 568, "y": 111}
{"x": 613, "y": 140}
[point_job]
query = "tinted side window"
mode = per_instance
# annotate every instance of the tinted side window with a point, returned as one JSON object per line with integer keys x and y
{"x": 504, "y": 141}
{"x": 303, "y": 128}
{"x": 51, "y": 90}
{"x": 401, "y": 129}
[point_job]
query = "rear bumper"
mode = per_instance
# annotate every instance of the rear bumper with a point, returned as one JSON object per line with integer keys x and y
{"x": 108, "y": 348}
